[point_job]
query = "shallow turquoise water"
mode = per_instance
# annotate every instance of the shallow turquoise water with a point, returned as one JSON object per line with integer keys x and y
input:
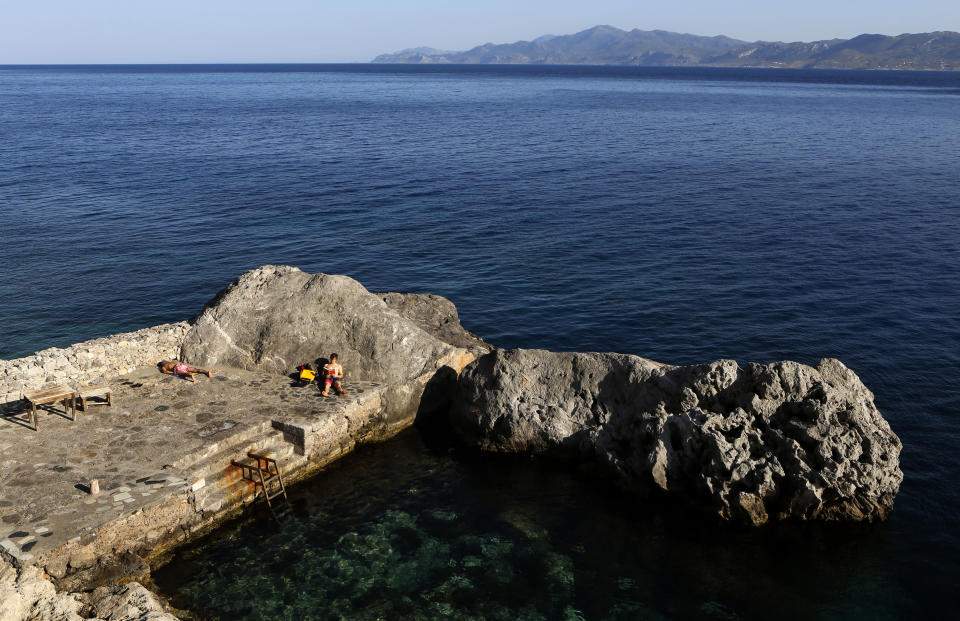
{"x": 406, "y": 530}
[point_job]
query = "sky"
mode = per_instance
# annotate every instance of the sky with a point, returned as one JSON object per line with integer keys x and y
{"x": 197, "y": 31}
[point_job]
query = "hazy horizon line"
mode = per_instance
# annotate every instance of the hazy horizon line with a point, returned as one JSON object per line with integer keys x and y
{"x": 413, "y": 47}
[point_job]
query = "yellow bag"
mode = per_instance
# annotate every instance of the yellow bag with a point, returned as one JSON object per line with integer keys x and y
{"x": 307, "y": 375}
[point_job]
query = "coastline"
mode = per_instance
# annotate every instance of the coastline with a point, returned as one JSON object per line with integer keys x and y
{"x": 831, "y": 240}
{"x": 82, "y": 542}
{"x": 170, "y": 453}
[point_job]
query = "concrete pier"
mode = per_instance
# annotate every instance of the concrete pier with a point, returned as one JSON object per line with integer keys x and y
{"x": 162, "y": 455}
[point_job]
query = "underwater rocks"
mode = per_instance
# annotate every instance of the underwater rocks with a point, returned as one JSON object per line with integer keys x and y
{"x": 275, "y": 318}
{"x": 399, "y": 564}
{"x": 757, "y": 443}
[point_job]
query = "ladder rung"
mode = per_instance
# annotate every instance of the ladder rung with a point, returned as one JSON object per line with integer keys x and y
{"x": 261, "y": 457}
{"x": 270, "y": 471}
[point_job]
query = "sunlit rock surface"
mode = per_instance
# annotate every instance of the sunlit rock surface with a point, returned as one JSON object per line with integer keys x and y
{"x": 28, "y": 593}
{"x": 275, "y": 318}
{"x": 757, "y": 443}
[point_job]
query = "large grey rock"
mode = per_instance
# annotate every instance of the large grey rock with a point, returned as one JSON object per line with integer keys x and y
{"x": 275, "y": 318}
{"x": 762, "y": 442}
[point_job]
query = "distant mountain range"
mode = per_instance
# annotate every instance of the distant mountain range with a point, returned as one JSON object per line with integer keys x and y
{"x": 606, "y": 45}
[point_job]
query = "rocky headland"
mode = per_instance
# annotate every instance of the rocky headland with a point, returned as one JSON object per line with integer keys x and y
{"x": 753, "y": 444}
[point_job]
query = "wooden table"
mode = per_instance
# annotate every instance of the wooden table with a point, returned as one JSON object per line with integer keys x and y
{"x": 51, "y": 395}
{"x": 85, "y": 392}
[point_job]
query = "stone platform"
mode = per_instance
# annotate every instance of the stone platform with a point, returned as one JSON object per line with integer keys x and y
{"x": 162, "y": 455}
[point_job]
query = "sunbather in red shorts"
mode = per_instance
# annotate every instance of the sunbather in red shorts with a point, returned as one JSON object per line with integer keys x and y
{"x": 175, "y": 367}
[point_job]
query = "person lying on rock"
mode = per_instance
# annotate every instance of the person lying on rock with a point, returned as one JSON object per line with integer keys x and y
{"x": 175, "y": 367}
{"x": 332, "y": 375}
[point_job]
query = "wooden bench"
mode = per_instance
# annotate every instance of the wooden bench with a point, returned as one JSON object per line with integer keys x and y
{"x": 86, "y": 392}
{"x": 51, "y": 395}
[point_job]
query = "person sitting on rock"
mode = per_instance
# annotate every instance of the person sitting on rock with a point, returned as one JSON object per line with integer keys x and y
{"x": 332, "y": 375}
{"x": 175, "y": 367}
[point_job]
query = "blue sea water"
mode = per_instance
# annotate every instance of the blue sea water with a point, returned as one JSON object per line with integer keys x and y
{"x": 679, "y": 214}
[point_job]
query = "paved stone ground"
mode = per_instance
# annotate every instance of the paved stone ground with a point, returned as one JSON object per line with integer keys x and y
{"x": 156, "y": 420}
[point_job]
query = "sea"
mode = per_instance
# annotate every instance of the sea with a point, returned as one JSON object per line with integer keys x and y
{"x": 680, "y": 214}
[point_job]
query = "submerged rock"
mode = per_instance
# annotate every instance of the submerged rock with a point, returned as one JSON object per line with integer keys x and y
{"x": 275, "y": 318}
{"x": 757, "y": 443}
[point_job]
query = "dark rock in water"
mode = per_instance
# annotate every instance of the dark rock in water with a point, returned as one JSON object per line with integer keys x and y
{"x": 758, "y": 443}
{"x": 435, "y": 314}
{"x": 275, "y": 318}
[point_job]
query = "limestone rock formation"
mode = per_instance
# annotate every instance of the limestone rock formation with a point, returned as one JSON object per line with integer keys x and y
{"x": 435, "y": 314}
{"x": 26, "y": 593}
{"x": 130, "y": 601}
{"x": 757, "y": 443}
{"x": 275, "y": 318}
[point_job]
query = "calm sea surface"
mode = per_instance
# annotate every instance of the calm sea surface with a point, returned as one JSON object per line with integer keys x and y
{"x": 683, "y": 215}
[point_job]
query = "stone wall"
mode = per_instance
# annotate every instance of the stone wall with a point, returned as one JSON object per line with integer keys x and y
{"x": 89, "y": 361}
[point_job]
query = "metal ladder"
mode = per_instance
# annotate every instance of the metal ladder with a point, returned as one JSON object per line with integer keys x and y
{"x": 267, "y": 471}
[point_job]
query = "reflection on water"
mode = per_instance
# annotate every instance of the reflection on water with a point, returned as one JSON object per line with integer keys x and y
{"x": 411, "y": 531}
